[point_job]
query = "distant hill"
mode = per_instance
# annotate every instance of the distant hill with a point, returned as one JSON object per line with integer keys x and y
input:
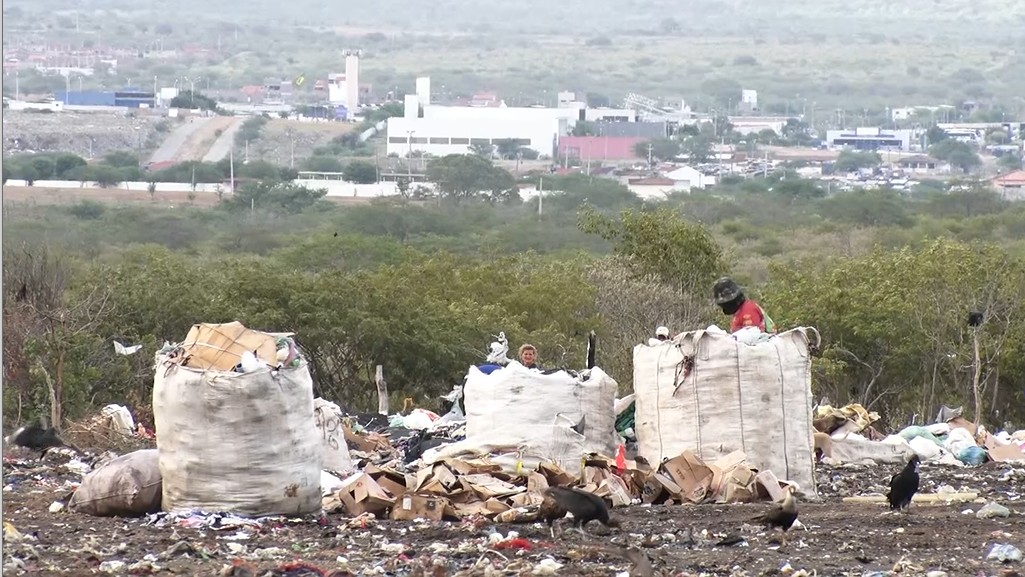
{"x": 909, "y": 18}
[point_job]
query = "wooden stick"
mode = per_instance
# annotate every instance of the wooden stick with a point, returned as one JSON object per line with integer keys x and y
{"x": 382, "y": 391}
{"x": 934, "y": 498}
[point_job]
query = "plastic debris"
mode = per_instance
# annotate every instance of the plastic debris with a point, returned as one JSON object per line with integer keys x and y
{"x": 991, "y": 510}
{"x": 1004, "y": 553}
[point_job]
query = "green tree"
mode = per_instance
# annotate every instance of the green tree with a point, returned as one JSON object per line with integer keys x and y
{"x": 893, "y": 322}
{"x": 275, "y": 197}
{"x": 360, "y": 172}
{"x": 323, "y": 164}
{"x": 661, "y": 149}
{"x": 482, "y": 150}
{"x": 660, "y": 244}
{"x": 868, "y": 207}
{"x": 65, "y": 163}
{"x": 852, "y": 161}
{"x": 465, "y": 177}
{"x": 121, "y": 159}
{"x": 958, "y": 154}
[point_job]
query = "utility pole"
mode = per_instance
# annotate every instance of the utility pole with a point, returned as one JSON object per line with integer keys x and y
{"x": 650, "y": 146}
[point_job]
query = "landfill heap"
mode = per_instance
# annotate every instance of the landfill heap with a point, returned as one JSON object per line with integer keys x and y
{"x": 384, "y": 485}
{"x": 847, "y": 435}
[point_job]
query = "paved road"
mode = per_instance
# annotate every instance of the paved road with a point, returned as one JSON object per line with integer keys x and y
{"x": 168, "y": 150}
{"x": 220, "y": 148}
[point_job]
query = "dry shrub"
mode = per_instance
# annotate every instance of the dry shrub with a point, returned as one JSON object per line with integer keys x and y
{"x": 97, "y": 434}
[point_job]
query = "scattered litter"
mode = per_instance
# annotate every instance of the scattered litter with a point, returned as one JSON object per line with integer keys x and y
{"x": 1004, "y": 553}
{"x": 991, "y": 510}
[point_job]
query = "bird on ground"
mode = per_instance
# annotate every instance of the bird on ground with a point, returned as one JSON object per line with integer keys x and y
{"x": 781, "y": 515}
{"x": 36, "y": 438}
{"x": 584, "y": 506}
{"x": 904, "y": 485}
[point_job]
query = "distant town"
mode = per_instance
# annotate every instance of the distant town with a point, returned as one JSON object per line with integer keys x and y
{"x": 653, "y": 146}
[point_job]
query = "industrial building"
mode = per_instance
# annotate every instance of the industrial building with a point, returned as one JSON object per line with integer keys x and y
{"x": 125, "y": 98}
{"x": 870, "y": 138}
{"x": 343, "y": 90}
{"x": 426, "y": 128}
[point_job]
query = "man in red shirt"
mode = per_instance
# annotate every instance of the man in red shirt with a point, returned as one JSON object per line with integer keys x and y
{"x": 746, "y": 313}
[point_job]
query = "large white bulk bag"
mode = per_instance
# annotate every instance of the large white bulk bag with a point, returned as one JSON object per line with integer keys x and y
{"x": 244, "y": 443}
{"x": 328, "y": 417}
{"x": 754, "y": 398}
{"x": 532, "y": 414}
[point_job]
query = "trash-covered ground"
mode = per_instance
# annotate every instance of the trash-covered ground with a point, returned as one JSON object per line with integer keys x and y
{"x": 835, "y": 538}
{"x": 81, "y": 133}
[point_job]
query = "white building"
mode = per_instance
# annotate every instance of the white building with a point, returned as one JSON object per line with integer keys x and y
{"x": 870, "y": 138}
{"x": 688, "y": 178}
{"x": 754, "y": 124}
{"x": 749, "y": 99}
{"x": 442, "y": 130}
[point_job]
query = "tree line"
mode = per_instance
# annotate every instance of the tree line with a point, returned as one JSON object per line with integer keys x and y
{"x": 421, "y": 287}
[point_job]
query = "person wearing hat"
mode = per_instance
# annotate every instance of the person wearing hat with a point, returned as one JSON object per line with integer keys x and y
{"x": 746, "y": 313}
{"x": 661, "y": 337}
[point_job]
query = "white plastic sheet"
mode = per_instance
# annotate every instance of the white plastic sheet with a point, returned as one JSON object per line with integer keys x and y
{"x": 753, "y": 398}
{"x": 243, "y": 443}
{"x": 529, "y": 416}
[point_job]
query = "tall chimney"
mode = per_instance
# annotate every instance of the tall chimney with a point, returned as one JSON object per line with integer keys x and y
{"x": 352, "y": 82}
{"x": 423, "y": 90}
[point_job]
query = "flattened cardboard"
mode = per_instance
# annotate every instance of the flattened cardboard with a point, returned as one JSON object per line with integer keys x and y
{"x": 614, "y": 489}
{"x": 220, "y": 346}
{"x": 536, "y": 483}
{"x": 368, "y": 443}
{"x": 962, "y": 423}
{"x": 472, "y": 466}
{"x": 487, "y": 486}
{"x": 413, "y": 506}
{"x": 1006, "y": 453}
{"x": 527, "y": 499}
{"x": 691, "y": 474}
{"x": 493, "y": 505}
{"x": 390, "y": 480}
{"x": 555, "y": 474}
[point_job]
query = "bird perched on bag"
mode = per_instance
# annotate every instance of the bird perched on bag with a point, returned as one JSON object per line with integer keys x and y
{"x": 36, "y": 438}
{"x": 904, "y": 485}
{"x": 781, "y": 515}
{"x": 584, "y": 506}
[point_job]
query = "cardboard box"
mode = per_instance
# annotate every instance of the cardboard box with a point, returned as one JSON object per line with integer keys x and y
{"x": 691, "y": 474}
{"x": 767, "y": 485}
{"x": 360, "y": 494}
{"x": 413, "y": 506}
{"x": 659, "y": 487}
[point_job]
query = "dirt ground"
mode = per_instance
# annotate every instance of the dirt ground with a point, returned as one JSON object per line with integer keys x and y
{"x": 836, "y": 538}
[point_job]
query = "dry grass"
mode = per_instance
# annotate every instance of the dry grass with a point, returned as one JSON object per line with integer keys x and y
{"x": 33, "y": 195}
{"x": 96, "y": 434}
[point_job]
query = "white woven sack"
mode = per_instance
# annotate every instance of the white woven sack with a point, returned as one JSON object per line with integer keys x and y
{"x": 244, "y": 443}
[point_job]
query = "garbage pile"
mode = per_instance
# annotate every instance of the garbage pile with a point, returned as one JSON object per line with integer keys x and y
{"x": 459, "y": 488}
{"x": 846, "y": 435}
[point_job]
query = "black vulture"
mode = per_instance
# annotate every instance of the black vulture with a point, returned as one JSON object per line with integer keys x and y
{"x": 904, "y": 485}
{"x": 35, "y": 438}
